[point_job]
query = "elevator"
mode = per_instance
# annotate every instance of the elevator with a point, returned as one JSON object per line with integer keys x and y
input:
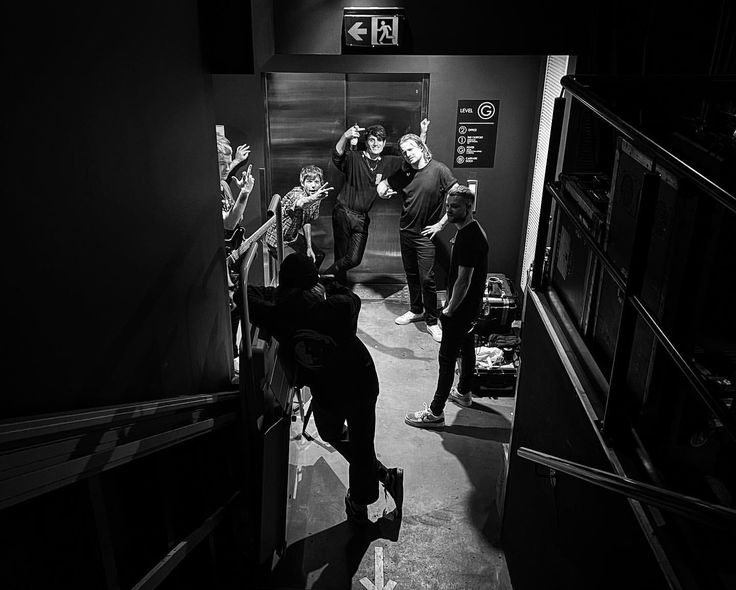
{"x": 307, "y": 113}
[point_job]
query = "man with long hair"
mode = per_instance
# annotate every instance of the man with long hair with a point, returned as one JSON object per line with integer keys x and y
{"x": 423, "y": 183}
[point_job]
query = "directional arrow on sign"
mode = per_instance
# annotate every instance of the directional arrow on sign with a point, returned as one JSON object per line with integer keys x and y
{"x": 356, "y": 31}
{"x": 378, "y": 585}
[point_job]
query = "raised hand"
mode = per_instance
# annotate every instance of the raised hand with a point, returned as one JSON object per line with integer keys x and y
{"x": 241, "y": 153}
{"x": 246, "y": 181}
{"x": 322, "y": 191}
{"x": 353, "y": 132}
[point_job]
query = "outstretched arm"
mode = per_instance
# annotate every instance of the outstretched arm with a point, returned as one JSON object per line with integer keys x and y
{"x": 384, "y": 190}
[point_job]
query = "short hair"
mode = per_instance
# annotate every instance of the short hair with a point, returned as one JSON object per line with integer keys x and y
{"x": 377, "y": 131}
{"x": 413, "y": 137}
{"x": 464, "y": 192}
{"x": 311, "y": 171}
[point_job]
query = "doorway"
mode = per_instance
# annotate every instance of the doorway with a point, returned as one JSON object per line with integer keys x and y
{"x": 307, "y": 113}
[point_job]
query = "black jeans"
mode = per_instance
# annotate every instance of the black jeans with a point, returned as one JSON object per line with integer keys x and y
{"x": 365, "y": 470}
{"x": 300, "y": 245}
{"x": 457, "y": 340}
{"x": 350, "y": 235}
{"x": 417, "y": 254}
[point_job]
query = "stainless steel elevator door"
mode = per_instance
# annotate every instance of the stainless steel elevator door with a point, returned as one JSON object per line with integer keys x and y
{"x": 307, "y": 113}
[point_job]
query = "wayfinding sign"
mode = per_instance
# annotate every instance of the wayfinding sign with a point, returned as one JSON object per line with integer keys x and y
{"x": 475, "y": 133}
{"x": 372, "y": 27}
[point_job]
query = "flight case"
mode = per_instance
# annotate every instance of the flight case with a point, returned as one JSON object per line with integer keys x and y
{"x": 497, "y": 328}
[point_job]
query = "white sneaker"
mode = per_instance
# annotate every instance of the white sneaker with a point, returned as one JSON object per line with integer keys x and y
{"x": 436, "y": 332}
{"x": 425, "y": 419}
{"x": 408, "y": 318}
{"x": 464, "y": 400}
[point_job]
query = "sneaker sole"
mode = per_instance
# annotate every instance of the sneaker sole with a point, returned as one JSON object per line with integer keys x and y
{"x": 425, "y": 424}
{"x": 407, "y": 322}
{"x": 462, "y": 403}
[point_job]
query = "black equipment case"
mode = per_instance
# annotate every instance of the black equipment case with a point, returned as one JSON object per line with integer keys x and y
{"x": 495, "y": 328}
{"x": 500, "y": 306}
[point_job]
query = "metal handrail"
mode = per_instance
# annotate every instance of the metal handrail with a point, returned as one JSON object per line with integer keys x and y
{"x": 250, "y": 247}
{"x": 688, "y": 506}
{"x": 586, "y": 96}
{"x": 274, "y": 212}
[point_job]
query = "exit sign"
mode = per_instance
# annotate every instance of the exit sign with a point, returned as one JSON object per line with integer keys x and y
{"x": 373, "y": 28}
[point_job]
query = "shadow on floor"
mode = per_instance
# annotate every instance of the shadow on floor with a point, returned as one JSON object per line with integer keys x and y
{"x": 327, "y": 559}
{"x": 330, "y": 559}
{"x": 476, "y": 439}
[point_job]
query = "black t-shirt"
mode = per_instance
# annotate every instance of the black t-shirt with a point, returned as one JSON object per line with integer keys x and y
{"x": 471, "y": 250}
{"x": 359, "y": 191}
{"x": 424, "y": 193}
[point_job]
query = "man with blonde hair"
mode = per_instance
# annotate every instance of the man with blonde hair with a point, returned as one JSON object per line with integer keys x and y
{"x": 423, "y": 183}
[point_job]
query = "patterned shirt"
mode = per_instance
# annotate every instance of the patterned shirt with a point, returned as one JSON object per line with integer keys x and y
{"x": 293, "y": 218}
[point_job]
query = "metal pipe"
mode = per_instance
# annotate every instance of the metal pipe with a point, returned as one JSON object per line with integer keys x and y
{"x": 688, "y": 506}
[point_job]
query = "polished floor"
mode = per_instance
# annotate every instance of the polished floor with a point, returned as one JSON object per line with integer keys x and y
{"x": 448, "y": 535}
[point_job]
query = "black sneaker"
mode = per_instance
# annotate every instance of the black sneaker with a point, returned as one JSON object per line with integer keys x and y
{"x": 356, "y": 513}
{"x": 394, "y": 485}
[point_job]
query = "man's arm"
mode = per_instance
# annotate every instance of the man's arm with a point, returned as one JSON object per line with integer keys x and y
{"x": 241, "y": 154}
{"x": 308, "y": 240}
{"x": 245, "y": 183}
{"x": 459, "y": 289}
{"x": 384, "y": 190}
{"x": 424, "y": 125}
{"x": 352, "y": 132}
{"x": 431, "y": 230}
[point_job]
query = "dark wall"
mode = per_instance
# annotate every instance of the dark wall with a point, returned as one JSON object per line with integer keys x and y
{"x": 435, "y": 27}
{"x": 622, "y": 37}
{"x": 114, "y": 284}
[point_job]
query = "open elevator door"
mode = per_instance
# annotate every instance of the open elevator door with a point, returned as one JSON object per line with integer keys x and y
{"x": 307, "y": 113}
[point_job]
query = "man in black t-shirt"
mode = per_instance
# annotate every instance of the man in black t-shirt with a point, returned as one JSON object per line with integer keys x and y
{"x": 363, "y": 170}
{"x": 466, "y": 284}
{"x": 423, "y": 183}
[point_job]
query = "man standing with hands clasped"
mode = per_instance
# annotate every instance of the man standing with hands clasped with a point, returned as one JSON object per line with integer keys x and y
{"x": 466, "y": 284}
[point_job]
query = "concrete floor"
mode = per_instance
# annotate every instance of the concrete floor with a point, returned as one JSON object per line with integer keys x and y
{"x": 448, "y": 535}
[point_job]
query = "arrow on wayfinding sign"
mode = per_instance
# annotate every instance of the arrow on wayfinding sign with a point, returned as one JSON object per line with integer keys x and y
{"x": 390, "y": 585}
{"x": 356, "y": 31}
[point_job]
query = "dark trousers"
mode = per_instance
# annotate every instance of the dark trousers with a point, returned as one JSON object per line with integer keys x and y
{"x": 350, "y": 235}
{"x": 365, "y": 470}
{"x": 300, "y": 245}
{"x": 417, "y": 254}
{"x": 457, "y": 340}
